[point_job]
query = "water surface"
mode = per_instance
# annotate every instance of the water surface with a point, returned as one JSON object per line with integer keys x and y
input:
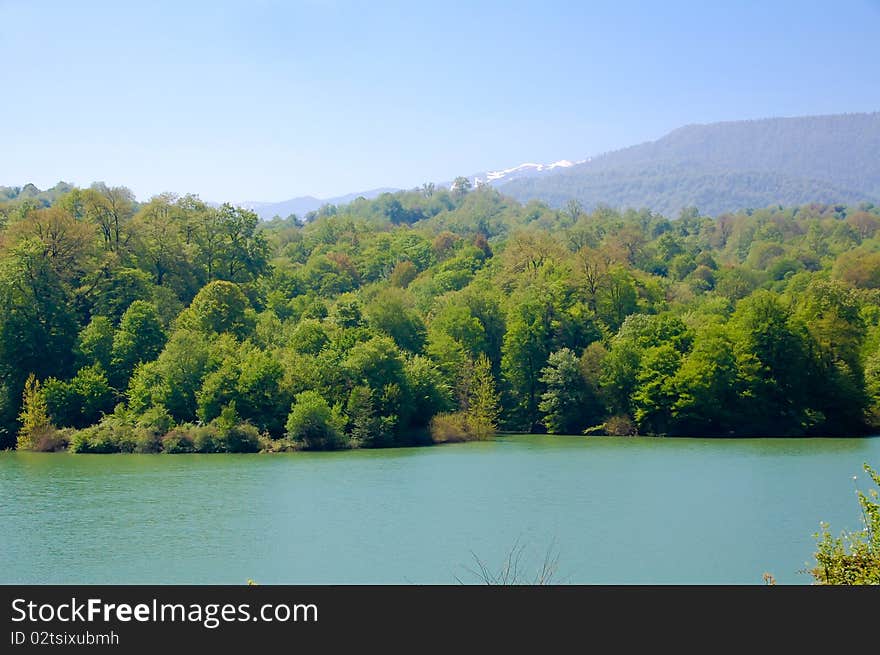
{"x": 625, "y": 510}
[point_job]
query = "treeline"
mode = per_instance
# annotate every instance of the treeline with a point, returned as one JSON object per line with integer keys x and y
{"x": 424, "y": 316}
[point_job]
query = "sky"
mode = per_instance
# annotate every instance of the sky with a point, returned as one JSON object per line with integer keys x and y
{"x": 265, "y": 100}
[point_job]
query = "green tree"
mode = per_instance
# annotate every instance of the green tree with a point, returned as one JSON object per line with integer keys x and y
{"x": 139, "y": 338}
{"x": 393, "y": 312}
{"x": 220, "y": 307}
{"x": 531, "y": 326}
{"x": 364, "y": 426}
{"x": 95, "y": 344}
{"x": 565, "y": 402}
{"x": 34, "y": 417}
{"x": 706, "y": 401}
{"x": 37, "y": 326}
{"x": 461, "y": 186}
{"x": 655, "y": 391}
{"x": 111, "y": 209}
{"x": 174, "y": 378}
{"x": 773, "y": 368}
{"x": 484, "y": 406}
{"x": 830, "y": 314}
{"x": 313, "y": 424}
{"x": 81, "y": 401}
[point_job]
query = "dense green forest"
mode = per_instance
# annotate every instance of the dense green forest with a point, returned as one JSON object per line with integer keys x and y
{"x": 426, "y": 316}
{"x": 726, "y": 166}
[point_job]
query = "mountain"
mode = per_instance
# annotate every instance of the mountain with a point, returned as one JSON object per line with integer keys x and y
{"x": 726, "y": 166}
{"x": 718, "y": 167}
{"x": 305, "y": 204}
{"x": 503, "y": 176}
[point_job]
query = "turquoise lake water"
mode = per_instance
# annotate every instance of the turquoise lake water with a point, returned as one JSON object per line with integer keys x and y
{"x": 612, "y": 510}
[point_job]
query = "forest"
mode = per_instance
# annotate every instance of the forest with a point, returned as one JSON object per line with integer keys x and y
{"x": 720, "y": 167}
{"x": 427, "y": 316}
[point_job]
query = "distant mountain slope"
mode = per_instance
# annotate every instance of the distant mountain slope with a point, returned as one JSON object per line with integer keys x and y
{"x": 727, "y": 166}
{"x": 305, "y": 204}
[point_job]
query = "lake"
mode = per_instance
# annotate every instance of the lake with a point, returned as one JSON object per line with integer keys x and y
{"x": 613, "y": 510}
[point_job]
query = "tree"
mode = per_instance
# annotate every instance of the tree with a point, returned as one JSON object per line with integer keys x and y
{"x": 527, "y": 345}
{"x": 461, "y": 186}
{"x": 140, "y": 338}
{"x": 484, "y": 401}
{"x": 95, "y": 344}
{"x": 393, "y": 312}
{"x": 565, "y": 403}
{"x": 67, "y": 242}
{"x": 111, "y": 209}
{"x": 81, "y": 401}
{"x": 243, "y": 251}
{"x": 220, "y": 307}
{"x": 109, "y": 289}
{"x": 261, "y": 398}
{"x": 34, "y": 417}
{"x": 37, "y": 325}
{"x": 617, "y": 298}
{"x": 830, "y": 315}
{"x": 773, "y": 368}
{"x": 705, "y": 387}
{"x": 173, "y": 379}
{"x": 655, "y": 392}
{"x": 574, "y": 210}
{"x": 162, "y": 243}
{"x": 404, "y": 272}
{"x": 365, "y": 428}
{"x": 313, "y": 424}
{"x": 426, "y": 391}
{"x": 592, "y": 266}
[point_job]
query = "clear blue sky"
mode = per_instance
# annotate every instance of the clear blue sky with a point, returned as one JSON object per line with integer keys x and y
{"x": 263, "y": 100}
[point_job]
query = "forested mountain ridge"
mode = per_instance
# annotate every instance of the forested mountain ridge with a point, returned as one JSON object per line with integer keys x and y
{"x": 428, "y": 315}
{"x": 728, "y": 166}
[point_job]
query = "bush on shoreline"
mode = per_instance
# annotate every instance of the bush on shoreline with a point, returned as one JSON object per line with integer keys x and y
{"x": 459, "y": 426}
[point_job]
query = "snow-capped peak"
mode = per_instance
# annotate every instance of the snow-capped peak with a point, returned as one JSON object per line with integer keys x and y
{"x": 523, "y": 170}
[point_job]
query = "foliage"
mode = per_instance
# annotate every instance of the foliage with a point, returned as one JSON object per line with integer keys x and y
{"x": 854, "y": 557}
{"x": 459, "y": 426}
{"x": 725, "y": 167}
{"x": 565, "y": 402}
{"x": 36, "y": 426}
{"x": 313, "y": 424}
{"x": 430, "y": 314}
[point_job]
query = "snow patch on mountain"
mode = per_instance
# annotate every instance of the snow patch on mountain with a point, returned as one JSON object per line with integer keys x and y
{"x": 523, "y": 170}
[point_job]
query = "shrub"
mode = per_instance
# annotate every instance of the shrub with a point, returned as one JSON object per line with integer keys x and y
{"x": 854, "y": 557}
{"x": 459, "y": 426}
{"x": 282, "y": 445}
{"x": 97, "y": 439}
{"x": 205, "y": 439}
{"x": 147, "y": 440}
{"x": 157, "y": 419}
{"x": 239, "y": 438}
{"x": 51, "y": 440}
{"x": 79, "y": 442}
{"x": 620, "y": 426}
{"x": 178, "y": 440}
